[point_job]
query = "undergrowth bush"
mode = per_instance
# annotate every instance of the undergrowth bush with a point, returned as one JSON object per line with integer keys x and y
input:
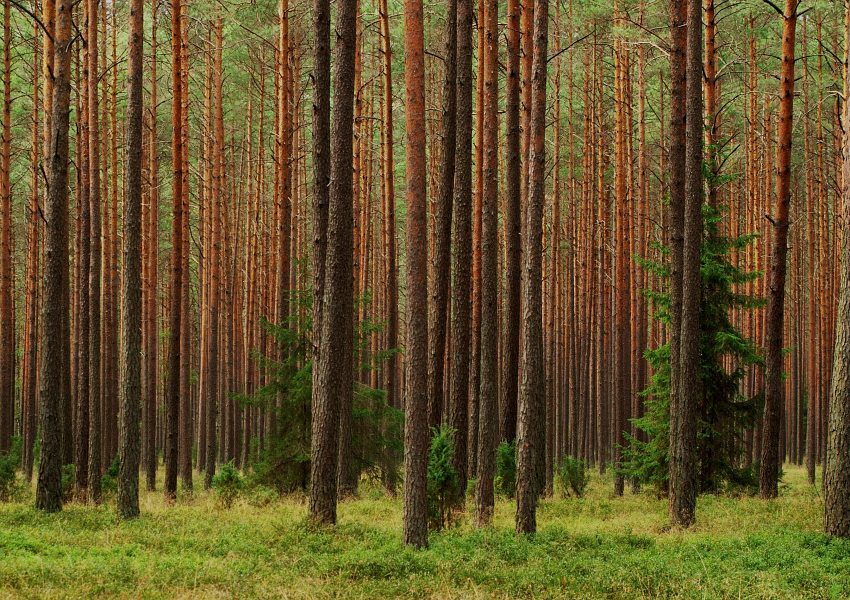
{"x": 261, "y": 496}
{"x": 506, "y": 469}
{"x": 69, "y": 474}
{"x": 109, "y": 481}
{"x": 443, "y": 481}
{"x": 377, "y": 432}
{"x": 572, "y": 476}
{"x": 9, "y": 463}
{"x": 228, "y": 484}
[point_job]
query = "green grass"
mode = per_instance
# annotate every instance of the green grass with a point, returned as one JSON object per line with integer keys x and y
{"x": 596, "y": 547}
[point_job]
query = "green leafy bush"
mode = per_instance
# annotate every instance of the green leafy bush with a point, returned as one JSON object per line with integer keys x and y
{"x": 572, "y": 476}
{"x": 284, "y": 464}
{"x": 228, "y": 484}
{"x": 443, "y": 480}
{"x": 506, "y": 469}
{"x": 69, "y": 473}
{"x": 9, "y": 463}
{"x": 726, "y": 356}
{"x": 262, "y": 496}
{"x": 109, "y": 481}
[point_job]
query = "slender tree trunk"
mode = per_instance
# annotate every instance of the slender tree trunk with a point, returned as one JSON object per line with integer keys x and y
{"x": 459, "y": 405}
{"x": 7, "y": 305}
{"x": 95, "y": 270}
{"x": 388, "y": 232}
{"x": 488, "y": 408}
{"x": 837, "y": 470}
{"x": 333, "y": 382}
{"x": 172, "y": 401}
{"x": 416, "y": 346}
{"x": 213, "y": 368}
{"x": 679, "y": 482}
{"x": 151, "y": 341}
{"x": 29, "y": 366}
{"x": 531, "y": 427}
{"x": 131, "y": 313}
{"x": 513, "y": 242}
{"x": 775, "y": 317}
{"x": 442, "y": 218}
{"x": 623, "y": 317}
{"x": 56, "y": 294}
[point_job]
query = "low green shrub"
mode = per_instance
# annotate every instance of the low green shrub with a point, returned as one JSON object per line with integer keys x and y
{"x": 572, "y": 476}
{"x": 109, "y": 481}
{"x": 69, "y": 473}
{"x": 9, "y": 463}
{"x": 443, "y": 481}
{"x": 261, "y": 496}
{"x": 228, "y": 484}
{"x": 506, "y": 469}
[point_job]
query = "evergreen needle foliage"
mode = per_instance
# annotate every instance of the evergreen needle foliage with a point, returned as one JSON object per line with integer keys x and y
{"x": 443, "y": 481}
{"x": 506, "y": 469}
{"x": 9, "y": 462}
{"x": 726, "y": 355}
{"x": 284, "y": 464}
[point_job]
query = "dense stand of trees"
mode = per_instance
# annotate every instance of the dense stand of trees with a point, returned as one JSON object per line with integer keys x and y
{"x": 497, "y": 267}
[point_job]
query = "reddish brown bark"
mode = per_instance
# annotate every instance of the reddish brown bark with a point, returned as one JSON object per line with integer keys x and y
{"x": 416, "y": 346}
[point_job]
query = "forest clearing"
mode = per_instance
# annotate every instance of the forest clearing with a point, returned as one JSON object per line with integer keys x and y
{"x": 598, "y": 546}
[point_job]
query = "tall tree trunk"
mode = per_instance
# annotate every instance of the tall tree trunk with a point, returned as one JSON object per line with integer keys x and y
{"x": 442, "y": 218}
{"x": 683, "y": 460}
{"x": 151, "y": 305}
{"x": 416, "y": 346}
{"x": 95, "y": 267}
{"x": 513, "y": 242}
{"x": 488, "y": 408}
{"x": 678, "y": 92}
{"x": 7, "y": 305}
{"x": 211, "y": 401}
{"x": 172, "y": 400}
{"x": 623, "y": 316}
{"x": 459, "y": 404}
{"x": 29, "y": 366}
{"x": 531, "y": 426}
{"x": 131, "y": 313}
{"x": 837, "y": 469}
{"x": 333, "y": 382}
{"x": 56, "y": 295}
{"x": 388, "y": 231}
{"x": 775, "y": 317}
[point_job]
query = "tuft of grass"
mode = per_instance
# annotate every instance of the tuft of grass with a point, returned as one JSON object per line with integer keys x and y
{"x": 597, "y": 546}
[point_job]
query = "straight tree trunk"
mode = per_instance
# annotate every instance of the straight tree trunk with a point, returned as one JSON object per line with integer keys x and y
{"x": 7, "y": 305}
{"x": 131, "y": 313}
{"x": 213, "y": 368}
{"x": 488, "y": 408}
{"x": 459, "y": 404}
{"x": 388, "y": 232}
{"x": 531, "y": 427}
{"x": 56, "y": 295}
{"x": 837, "y": 469}
{"x": 441, "y": 259}
{"x": 679, "y": 483}
{"x": 172, "y": 400}
{"x": 333, "y": 382}
{"x": 95, "y": 266}
{"x": 415, "y": 516}
{"x": 513, "y": 242}
{"x": 623, "y": 318}
{"x": 775, "y": 317}
{"x": 151, "y": 340}
{"x": 29, "y": 366}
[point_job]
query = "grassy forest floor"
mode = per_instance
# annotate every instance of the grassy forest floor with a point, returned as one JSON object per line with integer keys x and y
{"x": 594, "y": 547}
